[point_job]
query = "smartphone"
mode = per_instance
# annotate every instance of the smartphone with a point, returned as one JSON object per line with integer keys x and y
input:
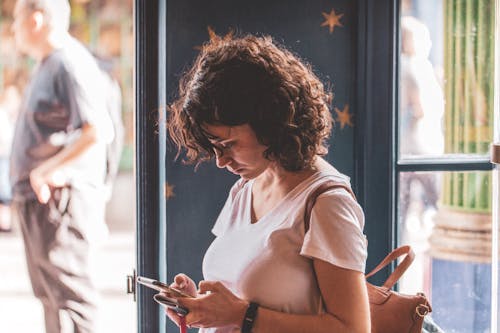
{"x": 171, "y": 303}
{"x": 160, "y": 286}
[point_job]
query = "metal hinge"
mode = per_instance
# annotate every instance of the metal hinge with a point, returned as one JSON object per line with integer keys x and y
{"x": 131, "y": 284}
{"x": 495, "y": 153}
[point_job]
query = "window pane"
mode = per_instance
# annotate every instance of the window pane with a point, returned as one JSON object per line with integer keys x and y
{"x": 446, "y": 77}
{"x": 446, "y": 218}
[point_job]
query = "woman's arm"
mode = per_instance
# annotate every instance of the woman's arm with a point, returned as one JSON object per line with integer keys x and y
{"x": 343, "y": 291}
{"x": 345, "y": 299}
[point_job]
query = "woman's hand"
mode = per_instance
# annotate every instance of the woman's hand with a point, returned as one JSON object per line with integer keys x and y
{"x": 185, "y": 284}
{"x": 215, "y": 306}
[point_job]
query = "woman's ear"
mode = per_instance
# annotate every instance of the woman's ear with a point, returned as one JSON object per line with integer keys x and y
{"x": 38, "y": 20}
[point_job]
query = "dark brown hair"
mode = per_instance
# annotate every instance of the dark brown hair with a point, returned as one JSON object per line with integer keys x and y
{"x": 251, "y": 80}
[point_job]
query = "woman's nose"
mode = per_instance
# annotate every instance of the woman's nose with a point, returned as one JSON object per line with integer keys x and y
{"x": 221, "y": 159}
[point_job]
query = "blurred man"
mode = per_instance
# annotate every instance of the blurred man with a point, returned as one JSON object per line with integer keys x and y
{"x": 58, "y": 164}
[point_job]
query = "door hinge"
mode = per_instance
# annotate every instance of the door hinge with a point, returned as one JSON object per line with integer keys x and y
{"x": 131, "y": 284}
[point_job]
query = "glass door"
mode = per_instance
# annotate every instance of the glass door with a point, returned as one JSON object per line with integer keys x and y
{"x": 445, "y": 125}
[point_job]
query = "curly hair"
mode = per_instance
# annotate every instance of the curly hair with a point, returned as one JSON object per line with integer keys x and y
{"x": 251, "y": 80}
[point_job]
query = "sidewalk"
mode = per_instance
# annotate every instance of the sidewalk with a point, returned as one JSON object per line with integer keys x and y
{"x": 21, "y": 312}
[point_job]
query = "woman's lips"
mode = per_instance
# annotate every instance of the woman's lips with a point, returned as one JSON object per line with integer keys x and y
{"x": 236, "y": 171}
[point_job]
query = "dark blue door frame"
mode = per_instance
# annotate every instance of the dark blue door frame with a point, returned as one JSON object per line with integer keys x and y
{"x": 375, "y": 155}
{"x": 150, "y": 41}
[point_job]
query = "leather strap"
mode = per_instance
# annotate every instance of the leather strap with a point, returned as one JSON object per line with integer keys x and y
{"x": 311, "y": 200}
{"x": 396, "y": 253}
{"x": 400, "y": 269}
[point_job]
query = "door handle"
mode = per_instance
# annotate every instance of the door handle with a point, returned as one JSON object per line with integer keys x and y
{"x": 495, "y": 153}
{"x": 131, "y": 284}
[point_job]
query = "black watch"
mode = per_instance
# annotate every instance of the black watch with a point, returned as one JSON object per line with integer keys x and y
{"x": 249, "y": 319}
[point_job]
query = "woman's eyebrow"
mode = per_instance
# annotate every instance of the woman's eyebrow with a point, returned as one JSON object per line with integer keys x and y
{"x": 215, "y": 137}
{"x": 220, "y": 140}
{"x": 212, "y": 137}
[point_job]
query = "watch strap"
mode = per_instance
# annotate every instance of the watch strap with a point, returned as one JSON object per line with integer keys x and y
{"x": 249, "y": 319}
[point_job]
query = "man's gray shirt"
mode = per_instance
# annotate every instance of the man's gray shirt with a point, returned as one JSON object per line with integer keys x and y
{"x": 66, "y": 91}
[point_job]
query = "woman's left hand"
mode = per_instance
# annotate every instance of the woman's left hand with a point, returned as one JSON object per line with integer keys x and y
{"x": 215, "y": 306}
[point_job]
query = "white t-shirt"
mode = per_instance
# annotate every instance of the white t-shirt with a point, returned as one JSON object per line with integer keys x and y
{"x": 269, "y": 262}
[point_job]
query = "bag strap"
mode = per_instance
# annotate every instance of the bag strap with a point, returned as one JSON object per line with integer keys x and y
{"x": 396, "y": 253}
{"x": 311, "y": 199}
{"x": 400, "y": 269}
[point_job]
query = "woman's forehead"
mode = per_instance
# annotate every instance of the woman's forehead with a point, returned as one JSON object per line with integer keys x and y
{"x": 224, "y": 132}
{"x": 217, "y": 132}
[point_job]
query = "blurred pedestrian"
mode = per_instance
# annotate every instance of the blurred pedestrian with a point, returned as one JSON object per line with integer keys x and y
{"x": 58, "y": 164}
{"x": 422, "y": 109}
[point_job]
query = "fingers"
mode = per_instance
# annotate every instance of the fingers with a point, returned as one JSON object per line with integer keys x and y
{"x": 173, "y": 316}
{"x": 210, "y": 286}
{"x": 214, "y": 306}
{"x": 181, "y": 281}
{"x": 43, "y": 194}
{"x": 40, "y": 187}
{"x": 185, "y": 284}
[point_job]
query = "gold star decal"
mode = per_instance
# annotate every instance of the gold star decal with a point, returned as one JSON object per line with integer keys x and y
{"x": 344, "y": 117}
{"x": 214, "y": 37}
{"x": 332, "y": 20}
{"x": 169, "y": 191}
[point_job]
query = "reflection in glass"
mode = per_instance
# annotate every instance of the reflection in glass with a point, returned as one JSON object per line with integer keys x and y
{"x": 421, "y": 96}
{"x": 447, "y": 90}
{"x": 450, "y": 231}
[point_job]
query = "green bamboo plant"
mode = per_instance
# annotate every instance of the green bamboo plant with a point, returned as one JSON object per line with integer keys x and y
{"x": 468, "y": 124}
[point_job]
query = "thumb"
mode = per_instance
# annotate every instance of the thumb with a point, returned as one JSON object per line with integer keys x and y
{"x": 44, "y": 194}
{"x": 180, "y": 281}
{"x": 185, "y": 284}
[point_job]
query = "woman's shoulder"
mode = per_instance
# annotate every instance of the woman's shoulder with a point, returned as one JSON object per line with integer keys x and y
{"x": 338, "y": 200}
{"x": 325, "y": 168}
{"x": 325, "y": 172}
{"x": 339, "y": 185}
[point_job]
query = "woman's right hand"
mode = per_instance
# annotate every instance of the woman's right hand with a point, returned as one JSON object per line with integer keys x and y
{"x": 185, "y": 284}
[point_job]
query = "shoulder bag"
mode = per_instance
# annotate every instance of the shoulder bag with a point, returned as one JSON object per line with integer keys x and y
{"x": 390, "y": 311}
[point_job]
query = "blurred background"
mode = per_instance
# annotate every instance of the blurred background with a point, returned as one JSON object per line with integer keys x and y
{"x": 445, "y": 116}
{"x": 106, "y": 27}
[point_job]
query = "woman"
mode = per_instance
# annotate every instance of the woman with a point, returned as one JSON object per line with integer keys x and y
{"x": 263, "y": 115}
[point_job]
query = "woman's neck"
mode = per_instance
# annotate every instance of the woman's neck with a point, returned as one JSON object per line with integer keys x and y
{"x": 277, "y": 179}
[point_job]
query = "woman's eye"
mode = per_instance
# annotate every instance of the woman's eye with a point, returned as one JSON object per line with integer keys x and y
{"x": 226, "y": 145}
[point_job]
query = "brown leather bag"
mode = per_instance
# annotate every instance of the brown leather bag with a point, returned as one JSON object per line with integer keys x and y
{"x": 390, "y": 311}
